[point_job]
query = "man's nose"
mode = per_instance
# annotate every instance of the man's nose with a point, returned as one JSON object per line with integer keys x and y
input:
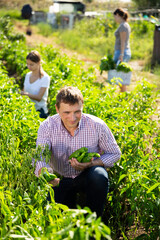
{"x": 73, "y": 117}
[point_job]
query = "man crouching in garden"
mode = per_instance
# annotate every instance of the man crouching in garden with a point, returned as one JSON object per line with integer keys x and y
{"x": 64, "y": 133}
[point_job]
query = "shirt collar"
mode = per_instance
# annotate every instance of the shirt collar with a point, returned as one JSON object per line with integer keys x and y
{"x": 62, "y": 127}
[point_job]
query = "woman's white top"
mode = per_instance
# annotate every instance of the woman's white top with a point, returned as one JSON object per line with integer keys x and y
{"x": 34, "y": 88}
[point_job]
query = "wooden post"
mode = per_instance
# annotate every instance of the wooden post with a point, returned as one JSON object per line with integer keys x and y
{"x": 156, "y": 47}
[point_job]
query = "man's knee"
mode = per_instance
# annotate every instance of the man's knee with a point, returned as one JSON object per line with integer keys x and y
{"x": 98, "y": 176}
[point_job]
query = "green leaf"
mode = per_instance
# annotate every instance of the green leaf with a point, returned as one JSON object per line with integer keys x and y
{"x": 5, "y": 210}
{"x": 153, "y": 187}
{"x": 144, "y": 176}
{"x": 20, "y": 236}
{"x": 121, "y": 177}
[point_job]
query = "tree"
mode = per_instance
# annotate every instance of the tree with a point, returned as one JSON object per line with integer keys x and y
{"x": 18, "y": 4}
{"x": 147, "y": 3}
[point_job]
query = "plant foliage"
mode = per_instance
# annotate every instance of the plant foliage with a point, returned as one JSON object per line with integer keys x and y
{"x": 133, "y": 199}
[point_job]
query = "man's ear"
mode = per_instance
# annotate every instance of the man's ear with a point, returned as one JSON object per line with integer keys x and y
{"x": 56, "y": 108}
{"x": 82, "y": 107}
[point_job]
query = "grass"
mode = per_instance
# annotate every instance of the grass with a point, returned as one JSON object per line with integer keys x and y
{"x": 150, "y": 77}
{"x": 45, "y": 29}
{"x": 94, "y": 38}
{"x": 12, "y": 13}
{"x": 97, "y": 44}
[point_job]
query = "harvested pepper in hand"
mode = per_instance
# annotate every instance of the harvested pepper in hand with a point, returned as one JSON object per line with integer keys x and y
{"x": 78, "y": 152}
{"x": 48, "y": 176}
{"x": 89, "y": 156}
{"x": 82, "y": 155}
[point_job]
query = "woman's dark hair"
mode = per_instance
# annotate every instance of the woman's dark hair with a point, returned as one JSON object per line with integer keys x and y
{"x": 69, "y": 95}
{"x": 35, "y": 57}
{"x": 121, "y": 13}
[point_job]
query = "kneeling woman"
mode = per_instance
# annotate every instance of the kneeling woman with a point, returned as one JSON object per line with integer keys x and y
{"x": 36, "y": 83}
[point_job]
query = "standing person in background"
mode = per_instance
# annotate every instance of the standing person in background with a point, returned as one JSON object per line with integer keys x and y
{"x": 36, "y": 83}
{"x": 122, "y": 47}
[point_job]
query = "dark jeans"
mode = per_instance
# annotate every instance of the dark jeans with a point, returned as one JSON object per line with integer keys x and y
{"x": 42, "y": 113}
{"x": 93, "y": 182}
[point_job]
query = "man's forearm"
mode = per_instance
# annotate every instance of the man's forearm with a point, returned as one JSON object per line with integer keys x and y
{"x": 110, "y": 159}
{"x": 96, "y": 162}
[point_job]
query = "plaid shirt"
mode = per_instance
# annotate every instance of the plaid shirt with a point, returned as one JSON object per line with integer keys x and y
{"x": 92, "y": 133}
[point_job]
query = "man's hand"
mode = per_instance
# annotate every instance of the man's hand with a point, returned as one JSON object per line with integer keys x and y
{"x": 39, "y": 172}
{"x": 80, "y": 166}
{"x": 55, "y": 182}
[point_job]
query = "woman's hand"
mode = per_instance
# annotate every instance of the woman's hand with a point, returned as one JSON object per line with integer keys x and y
{"x": 37, "y": 97}
{"x": 121, "y": 58}
{"x": 80, "y": 166}
{"x": 24, "y": 93}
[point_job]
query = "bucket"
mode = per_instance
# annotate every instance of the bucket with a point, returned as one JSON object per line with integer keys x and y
{"x": 118, "y": 77}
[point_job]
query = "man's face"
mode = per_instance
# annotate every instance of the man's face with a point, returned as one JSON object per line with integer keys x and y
{"x": 70, "y": 114}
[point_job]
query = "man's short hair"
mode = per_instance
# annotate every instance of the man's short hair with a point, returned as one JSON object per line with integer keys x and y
{"x": 69, "y": 95}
